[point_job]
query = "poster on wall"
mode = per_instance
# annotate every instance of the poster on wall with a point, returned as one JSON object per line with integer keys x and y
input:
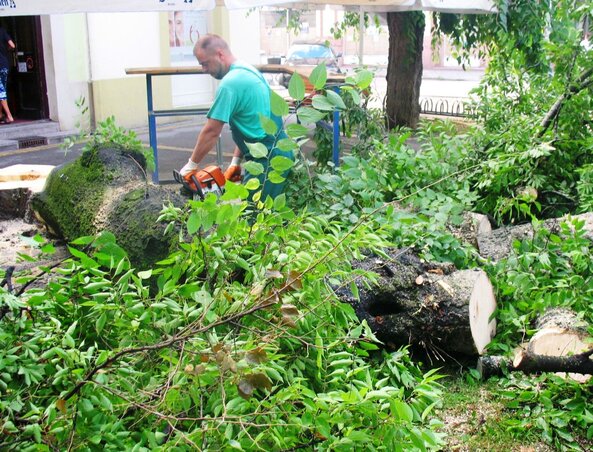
{"x": 185, "y": 28}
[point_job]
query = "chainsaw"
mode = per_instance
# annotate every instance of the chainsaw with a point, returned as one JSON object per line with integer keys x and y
{"x": 200, "y": 182}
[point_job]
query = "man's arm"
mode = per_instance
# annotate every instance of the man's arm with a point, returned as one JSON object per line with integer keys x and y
{"x": 204, "y": 144}
{"x": 207, "y": 139}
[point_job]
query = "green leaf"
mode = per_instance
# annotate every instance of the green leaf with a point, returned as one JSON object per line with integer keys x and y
{"x": 275, "y": 177}
{"x": 278, "y": 105}
{"x": 296, "y": 87}
{"x": 67, "y": 341}
{"x": 268, "y": 125}
{"x": 318, "y": 76}
{"x": 287, "y": 144}
{"x": 335, "y": 99}
{"x": 254, "y": 168}
{"x": 321, "y": 102}
{"x": 280, "y": 201}
{"x": 308, "y": 115}
{"x": 100, "y": 323}
{"x": 355, "y": 96}
{"x": 363, "y": 79}
{"x": 252, "y": 184}
{"x": 86, "y": 240}
{"x": 235, "y": 444}
{"x": 194, "y": 222}
{"x": 354, "y": 290}
{"x": 48, "y": 249}
{"x": 404, "y": 411}
{"x": 257, "y": 150}
{"x": 84, "y": 258}
{"x": 281, "y": 163}
{"x": 145, "y": 274}
{"x": 296, "y": 130}
{"x": 234, "y": 191}
{"x": 323, "y": 426}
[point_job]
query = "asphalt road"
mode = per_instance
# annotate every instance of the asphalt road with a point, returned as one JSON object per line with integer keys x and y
{"x": 175, "y": 143}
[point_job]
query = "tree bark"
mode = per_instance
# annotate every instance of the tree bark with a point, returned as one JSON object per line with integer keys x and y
{"x": 106, "y": 189}
{"x": 473, "y": 225}
{"x": 559, "y": 345}
{"x": 498, "y": 243}
{"x": 529, "y": 363}
{"x": 432, "y": 305}
{"x": 404, "y": 70}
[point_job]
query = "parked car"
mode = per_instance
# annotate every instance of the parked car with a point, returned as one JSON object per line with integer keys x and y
{"x": 311, "y": 54}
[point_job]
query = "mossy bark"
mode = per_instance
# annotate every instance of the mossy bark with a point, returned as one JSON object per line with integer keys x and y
{"x": 107, "y": 189}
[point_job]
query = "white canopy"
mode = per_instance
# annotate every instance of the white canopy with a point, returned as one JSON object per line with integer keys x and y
{"x": 451, "y": 6}
{"x": 40, "y": 7}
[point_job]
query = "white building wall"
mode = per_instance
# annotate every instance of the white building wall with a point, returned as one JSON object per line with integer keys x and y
{"x": 86, "y": 56}
{"x": 122, "y": 40}
{"x": 66, "y": 66}
{"x": 244, "y": 35}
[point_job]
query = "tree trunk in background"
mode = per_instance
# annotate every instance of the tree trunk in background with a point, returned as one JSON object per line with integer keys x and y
{"x": 404, "y": 70}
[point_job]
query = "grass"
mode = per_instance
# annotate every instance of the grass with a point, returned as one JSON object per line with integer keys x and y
{"x": 475, "y": 421}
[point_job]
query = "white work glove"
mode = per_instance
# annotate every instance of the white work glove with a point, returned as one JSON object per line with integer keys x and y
{"x": 189, "y": 167}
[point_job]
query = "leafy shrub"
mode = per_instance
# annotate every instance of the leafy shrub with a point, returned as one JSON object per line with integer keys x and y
{"x": 240, "y": 344}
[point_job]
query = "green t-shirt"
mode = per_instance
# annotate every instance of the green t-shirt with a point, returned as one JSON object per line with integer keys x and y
{"x": 242, "y": 96}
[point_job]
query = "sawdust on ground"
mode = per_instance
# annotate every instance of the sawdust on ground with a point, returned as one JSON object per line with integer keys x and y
{"x": 16, "y": 237}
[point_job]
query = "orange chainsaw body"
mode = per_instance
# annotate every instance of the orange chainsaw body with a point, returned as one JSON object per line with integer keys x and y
{"x": 203, "y": 181}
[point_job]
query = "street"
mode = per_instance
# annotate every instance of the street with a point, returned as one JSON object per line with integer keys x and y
{"x": 176, "y": 140}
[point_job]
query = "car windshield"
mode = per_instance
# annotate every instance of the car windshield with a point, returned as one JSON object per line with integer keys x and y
{"x": 307, "y": 51}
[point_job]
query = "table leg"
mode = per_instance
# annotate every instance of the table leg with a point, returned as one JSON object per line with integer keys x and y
{"x": 152, "y": 128}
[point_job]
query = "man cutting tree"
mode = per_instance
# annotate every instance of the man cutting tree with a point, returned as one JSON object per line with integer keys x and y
{"x": 242, "y": 99}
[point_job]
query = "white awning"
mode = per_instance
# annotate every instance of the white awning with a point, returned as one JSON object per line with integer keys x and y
{"x": 41, "y": 7}
{"x": 451, "y": 6}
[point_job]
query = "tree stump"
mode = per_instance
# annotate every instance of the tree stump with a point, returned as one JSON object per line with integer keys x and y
{"x": 107, "y": 189}
{"x": 428, "y": 304}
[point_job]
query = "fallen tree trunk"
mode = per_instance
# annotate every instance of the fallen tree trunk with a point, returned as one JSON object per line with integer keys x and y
{"x": 559, "y": 345}
{"x": 107, "y": 189}
{"x": 498, "y": 243}
{"x": 433, "y": 305}
{"x": 473, "y": 225}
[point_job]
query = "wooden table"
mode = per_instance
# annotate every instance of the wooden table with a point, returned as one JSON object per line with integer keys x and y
{"x": 333, "y": 80}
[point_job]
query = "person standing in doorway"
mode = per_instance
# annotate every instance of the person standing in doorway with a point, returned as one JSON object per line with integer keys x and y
{"x": 6, "y": 43}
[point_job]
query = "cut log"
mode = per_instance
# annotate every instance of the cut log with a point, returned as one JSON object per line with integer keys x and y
{"x": 107, "y": 189}
{"x": 433, "y": 305}
{"x": 579, "y": 367}
{"x": 560, "y": 345}
{"x": 473, "y": 225}
{"x": 498, "y": 243}
{"x": 17, "y": 183}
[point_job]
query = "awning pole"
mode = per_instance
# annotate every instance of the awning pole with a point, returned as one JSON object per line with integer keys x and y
{"x": 361, "y": 35}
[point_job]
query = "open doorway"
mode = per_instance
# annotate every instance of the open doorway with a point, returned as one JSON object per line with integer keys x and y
{"x": 27, "y": 92}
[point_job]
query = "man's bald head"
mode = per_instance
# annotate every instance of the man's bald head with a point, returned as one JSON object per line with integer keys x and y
{"x": 211, "y": 43}
{"x": 214, "y": 55}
